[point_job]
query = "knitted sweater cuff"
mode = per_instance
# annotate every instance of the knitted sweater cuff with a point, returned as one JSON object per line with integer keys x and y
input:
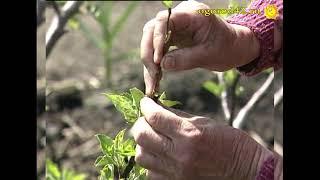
{"x": 263, "y": 28}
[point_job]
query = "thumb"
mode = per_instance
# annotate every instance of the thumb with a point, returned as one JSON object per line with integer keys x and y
{"x": 160, "y": 119}
{"x": 184, "y": 59}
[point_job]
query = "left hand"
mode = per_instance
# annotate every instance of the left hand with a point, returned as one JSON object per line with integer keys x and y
{"x": 177, "y": 145}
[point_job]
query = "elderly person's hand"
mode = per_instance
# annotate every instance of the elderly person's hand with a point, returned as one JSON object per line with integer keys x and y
{"x": 202, "y": 41}
{"x": 176, "y": 145}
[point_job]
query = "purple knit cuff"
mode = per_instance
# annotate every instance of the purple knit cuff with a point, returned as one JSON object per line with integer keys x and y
{"x": 267, "y": 170}
{"x": 263, "y": 29}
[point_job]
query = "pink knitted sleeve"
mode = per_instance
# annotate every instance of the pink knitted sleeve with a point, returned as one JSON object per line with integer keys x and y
{"x": 267, "y": 170}
{"x": 263, "y": 29}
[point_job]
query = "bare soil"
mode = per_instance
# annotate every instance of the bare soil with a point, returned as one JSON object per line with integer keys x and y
{"x": 66, "y": 134}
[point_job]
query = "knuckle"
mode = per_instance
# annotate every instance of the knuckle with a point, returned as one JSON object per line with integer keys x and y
{"x": 155, "y": 118}
{"x": 167, "y": 147}
{"x": 193, "y": 133}
{"x": 197, "y": 134}
{"x": 141, "y": 137}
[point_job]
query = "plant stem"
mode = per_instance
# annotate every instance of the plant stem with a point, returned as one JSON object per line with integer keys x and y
{"x": 128, "y": 168}
{"x": 116, "y": 173}
{"x": 233, "y": 99}
{"x": 107, "y": 65}
{"x": 169, "y": 13}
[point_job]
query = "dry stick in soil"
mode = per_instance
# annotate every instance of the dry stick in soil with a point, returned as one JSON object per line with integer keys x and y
{"x": 228, "y": 111}
{"x": 56, "y": 29}
{"x": 238, "y": 122}
{"x": 278, "y": 97}
{"x": 224, "y": 95}
{"x": 233, "y": 99}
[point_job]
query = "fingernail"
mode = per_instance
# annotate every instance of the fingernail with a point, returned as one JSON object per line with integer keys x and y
{"x": 168, "y": 63}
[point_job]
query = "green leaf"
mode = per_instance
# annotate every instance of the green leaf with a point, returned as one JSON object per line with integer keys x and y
{"x": 107, "y": 172}
{"x": 79, "y": 177}
{"x": 163, "y": 96}
{"x": 213, "y": 87}
{"x": 124, "y": 104}
{"x": 168, "y": 4}
{"x": 128, "y": 148}
{"x": 269, "y": 70}
{"x": 170, "y": 103}
{"x": 103, "y": 160}
{"x": 52, "y": 170}
{"x": 105, "y": 143}
{"x": 137, "y": 95}
{"x": 167, "y": 103}
{"x": 138, "y": 173}
{"x": 71, "y": 175}
{"x": 105, "y": 19}
{"x": 73, "y": 23}
{"x": 230, "y": 76}
{"x": 118, "y": 139}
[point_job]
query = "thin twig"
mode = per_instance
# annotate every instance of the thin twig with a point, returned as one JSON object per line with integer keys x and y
{"x": 224, "y": 96}
{"x": 233, "y": 98}
{"x": 278, "y": 97}
{"x": 56, "y": 29}
{"x": 257, "y": 96}
{"x": 278, "y": 148}
{"x": 169, "y": 14}
{"x": 55, "y": 6}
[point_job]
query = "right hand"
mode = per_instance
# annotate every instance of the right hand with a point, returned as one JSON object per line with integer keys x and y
{"x": 202, "y": 41}
{"x": 175, "y": 145}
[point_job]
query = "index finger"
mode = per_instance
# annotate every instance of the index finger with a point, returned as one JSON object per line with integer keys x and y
{"x": 151, "y": 70}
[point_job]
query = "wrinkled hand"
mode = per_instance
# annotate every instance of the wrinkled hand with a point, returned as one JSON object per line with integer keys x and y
{"x": 202, "y": 42}
{"x": 176, "y": 145}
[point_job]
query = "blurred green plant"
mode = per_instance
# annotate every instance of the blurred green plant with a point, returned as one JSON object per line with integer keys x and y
{"x": 114, "y": 162}
{"x": 230, "y": 80}
{"x": 54, "y": 173}
{"x": 101, "y": 11}
{"x": 227, "y": 89}
{"x": 167, "y": 4}
{"x": 213, "y": 87}
{"x": 269, "y": 70}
